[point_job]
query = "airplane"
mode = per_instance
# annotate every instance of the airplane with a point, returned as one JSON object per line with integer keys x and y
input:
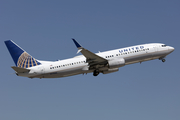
{"x": 102, "y": 62}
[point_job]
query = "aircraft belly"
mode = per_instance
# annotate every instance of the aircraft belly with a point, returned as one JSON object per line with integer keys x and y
{"x": 145, "y": 57}
{"x": 138, "y": 58}
{"x": 160, "y": 53}
{"x": 64, "y": 73}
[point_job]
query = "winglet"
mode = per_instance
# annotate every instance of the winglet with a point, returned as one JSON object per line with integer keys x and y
{"x": 77, "y": 44}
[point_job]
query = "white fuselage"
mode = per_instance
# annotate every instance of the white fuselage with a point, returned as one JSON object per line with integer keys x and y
{"x": 78, "y": 64}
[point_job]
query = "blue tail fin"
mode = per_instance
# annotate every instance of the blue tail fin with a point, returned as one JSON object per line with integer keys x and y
{"x": 21, "y": 58}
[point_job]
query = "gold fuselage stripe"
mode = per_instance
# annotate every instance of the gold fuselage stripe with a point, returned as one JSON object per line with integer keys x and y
{"x": 35, "y": 61}
{"x": 28, "y": 62}
{"x": 25, "y": 63}
{"x": 31, "y": 62}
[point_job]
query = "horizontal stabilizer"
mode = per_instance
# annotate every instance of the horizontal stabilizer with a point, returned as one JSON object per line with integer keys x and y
{"x": 20, "y": 70}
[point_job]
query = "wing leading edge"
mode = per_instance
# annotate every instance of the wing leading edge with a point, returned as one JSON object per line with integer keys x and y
{"x": 91, "y": 58}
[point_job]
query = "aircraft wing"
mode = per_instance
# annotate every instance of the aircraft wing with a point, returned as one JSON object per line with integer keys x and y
{"x": 91, "y": 58}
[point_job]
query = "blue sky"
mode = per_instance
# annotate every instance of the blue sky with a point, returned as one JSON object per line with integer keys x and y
{"x": 44, "y": 29}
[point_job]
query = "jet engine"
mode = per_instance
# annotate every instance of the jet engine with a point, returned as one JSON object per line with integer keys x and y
{"x": 110, "y": 70}
{"x": 116, "y": 63}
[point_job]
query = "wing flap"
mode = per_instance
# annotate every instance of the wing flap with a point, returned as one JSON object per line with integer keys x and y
{"x": 20, "y": 70}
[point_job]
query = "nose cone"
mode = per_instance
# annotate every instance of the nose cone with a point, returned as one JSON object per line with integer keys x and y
{"x": 171, "y": 49}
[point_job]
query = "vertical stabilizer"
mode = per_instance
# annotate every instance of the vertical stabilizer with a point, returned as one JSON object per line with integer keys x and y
{"x": 21, "y": 58}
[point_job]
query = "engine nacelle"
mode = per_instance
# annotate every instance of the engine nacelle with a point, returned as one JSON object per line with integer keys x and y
{"x": 116, "y": 63}
{"x": 110, "y": 70}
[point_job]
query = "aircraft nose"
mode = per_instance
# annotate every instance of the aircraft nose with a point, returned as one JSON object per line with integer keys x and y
{"x": 171, "y": 49}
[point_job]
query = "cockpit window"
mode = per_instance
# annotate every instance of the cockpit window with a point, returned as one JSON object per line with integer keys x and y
{"x": 163, "y": 45}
